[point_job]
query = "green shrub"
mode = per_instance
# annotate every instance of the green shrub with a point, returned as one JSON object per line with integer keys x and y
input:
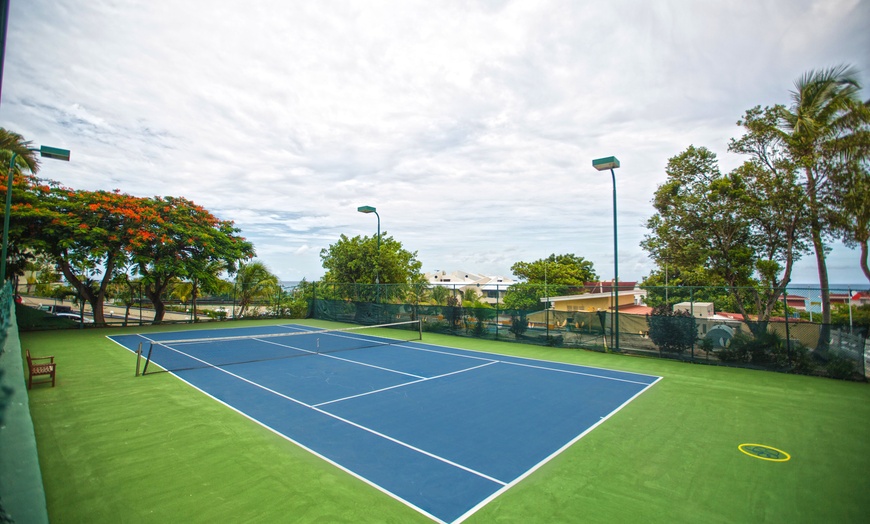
{"x": 672, "y": 331}
{"x": 555, "y": 341}
{"x": 802, "y": 360}
{"x": 437, "y": 326}
{"x": 763, "y": 349}
{"x": 519, "y": 325}
{"x": 841, "y": 368}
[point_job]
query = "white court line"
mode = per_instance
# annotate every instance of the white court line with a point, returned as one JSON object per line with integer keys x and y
{"x": 328, "y": 355}
{"x": 346, "y": 421}
{"x": 405, "y": 384}
{"x": 491, "y": 359}
{"x": 537, "y": 466}
{"x": 593, "y": 375}
{"x": 494, "y": 360}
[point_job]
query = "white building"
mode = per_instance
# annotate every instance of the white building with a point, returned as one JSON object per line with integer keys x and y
{"x": 491, "y": 289}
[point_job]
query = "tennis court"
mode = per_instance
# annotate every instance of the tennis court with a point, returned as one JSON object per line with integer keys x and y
{"x": 444, "y": 430}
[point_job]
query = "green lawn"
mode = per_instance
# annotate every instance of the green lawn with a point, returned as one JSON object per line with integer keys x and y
{"x": 116, "y": 448}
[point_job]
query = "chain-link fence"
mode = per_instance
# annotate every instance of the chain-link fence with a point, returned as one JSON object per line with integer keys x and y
{"x": 748, "y": 327}
{"x": 57, "y": 305}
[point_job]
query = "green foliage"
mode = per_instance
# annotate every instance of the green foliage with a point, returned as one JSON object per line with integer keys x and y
{"x": 737, "y": 229}
{"x": 253, "y": 281}
{"x": 439, "y": 294}
{"x": 801, "y": 360}
{"x": 768, "y": 350}
{"x": 519, "y": 324}
{"x": 552, "y": 276}
{"x": 289, "y": 304}
{"x": 806, "y": 176}
{"x": 92, "y": 236}
{"x": 359, "y": 260}
{"x": 524, "y": 296}
{"x": 672, "y": 331}
{"x": 860, "y": 320}
{"x": 25, "y": 159}
{"x": 760, "y": 349}
{"x": 826, "y": 131}
{"x": 840, "y": 368}
{"x": 481, "y": 312}
{"x": 217, "y": 314}
{"x": 568, "y": 270}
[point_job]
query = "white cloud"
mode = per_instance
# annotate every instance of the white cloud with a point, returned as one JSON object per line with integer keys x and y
{"x": 471, "y": 126}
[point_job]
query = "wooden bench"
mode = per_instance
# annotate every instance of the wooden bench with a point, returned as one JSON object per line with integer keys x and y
{"x": 44, "y": 368}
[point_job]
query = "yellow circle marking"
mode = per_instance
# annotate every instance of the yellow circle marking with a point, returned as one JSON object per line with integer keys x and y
{"x": 760, "y": 451}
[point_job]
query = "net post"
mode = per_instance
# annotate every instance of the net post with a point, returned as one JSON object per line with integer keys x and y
{"x": 420, "y": 328}
{"x": 147, "y": 359}
{"x": 138, "y": 358}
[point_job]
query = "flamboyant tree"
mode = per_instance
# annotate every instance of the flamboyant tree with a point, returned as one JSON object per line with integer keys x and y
{"x": 91, "y": 236}
{"x": 88, "y": 235}
{"x": 177, "y": 240}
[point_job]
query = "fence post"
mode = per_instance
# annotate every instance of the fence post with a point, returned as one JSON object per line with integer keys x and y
{"x": 787, "y": 333}
{"x": 497, "y": 294}
{"x": 313, "y": 312}
{"x": 234, "y": 300}
{"x": 692, "y": 311}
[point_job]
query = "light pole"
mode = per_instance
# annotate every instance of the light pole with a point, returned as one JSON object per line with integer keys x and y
{"x": 45, "y": 152}
{"x": 603, "y": 164}
{"x": 367, "y": 210}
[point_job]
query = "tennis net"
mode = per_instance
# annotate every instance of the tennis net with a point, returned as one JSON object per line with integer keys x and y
{"x": 181, "y": 354}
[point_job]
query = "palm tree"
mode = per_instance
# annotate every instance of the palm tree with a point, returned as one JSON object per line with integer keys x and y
{"x": 253, "y": 281}
{"x": 11, "y": 142}
{"x": 205, "y": 277}
{"x": 439, "y": 294}
{"x": 819, "y": 126}
{"x": 13, "y": 146}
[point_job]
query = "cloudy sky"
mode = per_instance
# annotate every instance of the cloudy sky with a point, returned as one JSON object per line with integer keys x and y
{"x": 470, "y": 125}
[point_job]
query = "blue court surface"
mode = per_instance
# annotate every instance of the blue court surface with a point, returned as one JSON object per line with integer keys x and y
{"x": 444, "y": 430}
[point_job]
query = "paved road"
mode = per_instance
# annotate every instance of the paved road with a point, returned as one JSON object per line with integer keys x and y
{"x": 113, "y": 313}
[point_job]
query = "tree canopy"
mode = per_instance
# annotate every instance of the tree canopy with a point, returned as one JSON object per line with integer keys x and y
{"x": 826, "y": 128}
{"x": 567, "y": 269}
{"x": 92, "y": 236}
{"x": 551, "y": 276}
{"x": 805, "y": 181}
{"x": 359, "y": 260}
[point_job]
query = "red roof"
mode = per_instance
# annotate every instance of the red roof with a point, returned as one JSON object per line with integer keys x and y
{"x": 636, "y": 310}
{"x": 732, "y": 316}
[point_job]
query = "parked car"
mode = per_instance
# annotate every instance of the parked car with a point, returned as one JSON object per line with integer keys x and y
{"x": 55, "y": 309}
{"x": 74, "y": 316}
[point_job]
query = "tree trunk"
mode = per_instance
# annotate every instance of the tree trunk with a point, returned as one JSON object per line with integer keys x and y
{"x": 864, "y": 266}
{"x": 154, "y": 286}
{"x": 159, "y": 308}
{"x": 85, "y": 292}
{"x": 96, "y": 300}
{"x": 819, "y": 247}
{"x": 194, "y": 290}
